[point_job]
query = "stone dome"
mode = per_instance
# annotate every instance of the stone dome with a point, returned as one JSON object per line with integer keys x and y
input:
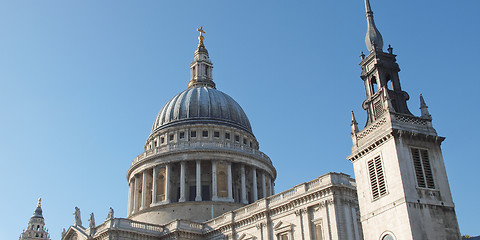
{"x": 202, "y": 104}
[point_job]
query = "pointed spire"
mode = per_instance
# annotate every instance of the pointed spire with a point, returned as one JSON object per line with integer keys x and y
{"x": 38, "y": 213}
{"x": 354, "y": 124}
{"x": 373, "y": 39}
{"x": 424, "y": 108}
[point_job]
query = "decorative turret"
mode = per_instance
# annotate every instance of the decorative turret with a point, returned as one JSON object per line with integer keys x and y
{"x": 36, "y": 226}
{"x": 201, "y": 67}
{"x": 380, "y": 75}
{"x": 373, "y": 39}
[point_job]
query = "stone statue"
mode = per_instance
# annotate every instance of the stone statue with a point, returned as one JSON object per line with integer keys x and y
{"x": 92, "y": 221}
{"x": 64, "y": 233}
{"x": 110, "y": 214}
{"x": 78, "y": 217}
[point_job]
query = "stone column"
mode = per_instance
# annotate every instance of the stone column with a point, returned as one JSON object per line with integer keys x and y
{"x": 214, "y": 181}
{"x": 154, "y": 185}
{"x": 182, "y": 182}
{"x": 199, "y": 181}
{"x": 355, "y": 223}
{"x": 229, "y": 177}
{"x": 130, "y": 196}
{"x": 167, "y": 183}
{"x": 254, "y": 178}
{"x": 348, "y": 220}
{"x": 272, "y": 191}
{"x": 144, "y": 192}
{"x": 244, "y": 188}
{"x": 135, "y": 193}
{"x": 264, "y": 185}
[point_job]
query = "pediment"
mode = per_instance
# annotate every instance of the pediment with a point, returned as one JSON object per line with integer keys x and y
{"x": 246, "y": 236}
{"x": 282, "y": 226}
{"x": 75, "y": 233}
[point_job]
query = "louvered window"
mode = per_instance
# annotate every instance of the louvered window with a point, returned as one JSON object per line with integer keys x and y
{"x": 377, "y": 178}
{"x": 378, "y": 107}
{"x": 423, "y": 169}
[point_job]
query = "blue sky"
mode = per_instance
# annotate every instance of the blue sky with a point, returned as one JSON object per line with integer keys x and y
{"x": 82, "y": 81}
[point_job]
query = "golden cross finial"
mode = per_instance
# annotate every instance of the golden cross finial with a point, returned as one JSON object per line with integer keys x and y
{"x": 39, "y": 202}
{"x": 201, "y": 30}
{"x": 200, "y": 38}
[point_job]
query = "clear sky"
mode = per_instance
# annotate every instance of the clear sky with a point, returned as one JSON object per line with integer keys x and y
{"x": 82, "y": 81}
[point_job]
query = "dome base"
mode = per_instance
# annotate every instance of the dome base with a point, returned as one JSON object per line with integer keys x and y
{"x": 195, "y": 211}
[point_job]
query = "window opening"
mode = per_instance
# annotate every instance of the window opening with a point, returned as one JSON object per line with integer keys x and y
{"x": 182, "y": 135}
{"x": 205, "y": 134}
{"x": 216, "y": 134}
{"x": 193, "y": 134}
{"x": 423, "y": 169}
{"x": 377, "y": 179}
{"x": 374, "y": 86}
{"x": 227, "y": 136}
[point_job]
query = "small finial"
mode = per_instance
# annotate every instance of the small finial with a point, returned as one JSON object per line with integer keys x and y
{"x": 201, "y": 38}
{"x": 39, "y": 202}
{"x": 362, "y": 55}
{"x": 390, "y": 49}
{"x": 354, "y": 124}
{"x": 424, "y": 108}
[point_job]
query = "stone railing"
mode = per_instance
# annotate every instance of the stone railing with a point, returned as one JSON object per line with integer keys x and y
{"x": 158, "y": 230}
{"x": 366, "y": 131}
{"x": 409, "y": 119}
{"x": 396, "y": 117}
{"x": 201, "y": 145}
{"x": 184, "y": 225}
{"x": 321, "y": 182}
{"x": 129, "y": 224}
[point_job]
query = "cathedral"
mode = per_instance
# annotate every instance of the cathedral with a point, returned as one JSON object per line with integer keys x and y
{"x": 203, "y": 176}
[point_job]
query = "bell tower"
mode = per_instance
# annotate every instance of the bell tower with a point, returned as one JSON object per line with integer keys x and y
{"x": 402, "y": 185}
{"x": 36, "y": 226}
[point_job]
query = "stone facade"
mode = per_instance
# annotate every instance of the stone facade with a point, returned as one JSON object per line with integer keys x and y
{"x": 402, "y": 184}
{"x": 325, "y": 208}
{"x": 203, "y": 176}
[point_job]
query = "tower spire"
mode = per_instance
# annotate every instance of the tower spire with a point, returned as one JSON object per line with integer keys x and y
{"x": 201, "y": 67}
{"x": 373, "y": 39}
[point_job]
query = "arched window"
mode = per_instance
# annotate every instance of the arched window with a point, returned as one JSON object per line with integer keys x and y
{"x": 389, "y": 82}
{"x": 373, "y": 85}
{"x": 388, "y": 237}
